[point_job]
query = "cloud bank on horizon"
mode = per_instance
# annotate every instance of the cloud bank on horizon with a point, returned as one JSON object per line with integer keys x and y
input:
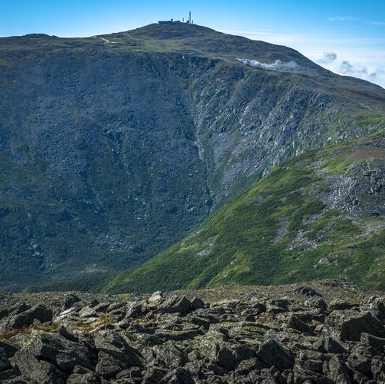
{"x": 366, "y": 64}
{"x": 344, "y": 67}
{"x": 369, "y": 65}
{"x": 351, "y": 45}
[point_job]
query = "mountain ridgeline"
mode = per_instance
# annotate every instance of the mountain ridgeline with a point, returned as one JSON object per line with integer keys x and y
{"x": 113, "y": 148}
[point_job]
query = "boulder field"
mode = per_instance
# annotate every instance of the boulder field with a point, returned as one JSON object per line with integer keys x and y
{"x": 324, "y": 332}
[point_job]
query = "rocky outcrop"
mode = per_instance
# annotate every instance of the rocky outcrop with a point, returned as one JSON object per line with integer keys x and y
{"x": 286, "y": 334}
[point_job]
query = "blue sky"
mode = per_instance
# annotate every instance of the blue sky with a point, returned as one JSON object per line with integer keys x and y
{"x": 347, "y": 37}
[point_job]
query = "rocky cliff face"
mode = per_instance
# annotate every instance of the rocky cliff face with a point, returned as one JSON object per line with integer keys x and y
{"x": 113, "y": 148}
{"x": 326, "y": 332}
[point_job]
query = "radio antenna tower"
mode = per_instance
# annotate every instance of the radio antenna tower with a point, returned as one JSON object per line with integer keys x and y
{"x": 189, "y": 17}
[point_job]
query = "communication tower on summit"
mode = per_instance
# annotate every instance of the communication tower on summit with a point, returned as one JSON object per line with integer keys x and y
{"x": 172, "y": 21}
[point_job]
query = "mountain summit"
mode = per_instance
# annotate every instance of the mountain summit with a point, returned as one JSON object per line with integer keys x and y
{"x": 115, "y": 147}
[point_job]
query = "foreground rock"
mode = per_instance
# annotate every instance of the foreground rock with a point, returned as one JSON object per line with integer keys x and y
{"x": 326, "y": 332}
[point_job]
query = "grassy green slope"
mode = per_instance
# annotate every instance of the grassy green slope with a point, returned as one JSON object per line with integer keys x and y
{"x": 315, "y": 216}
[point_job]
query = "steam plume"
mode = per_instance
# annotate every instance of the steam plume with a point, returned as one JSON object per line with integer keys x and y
{"x": 278, "y": 65}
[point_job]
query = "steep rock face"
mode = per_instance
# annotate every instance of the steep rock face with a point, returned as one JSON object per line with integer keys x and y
{"x": 112, "y": 152}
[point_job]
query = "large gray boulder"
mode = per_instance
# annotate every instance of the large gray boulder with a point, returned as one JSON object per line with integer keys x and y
{"x": 272, "y": 353}
{"x": 349, "y": 324}
{"x": 47, "y": 356}
{"x": 114, "y": 354}
{"x": 23, "y": 316}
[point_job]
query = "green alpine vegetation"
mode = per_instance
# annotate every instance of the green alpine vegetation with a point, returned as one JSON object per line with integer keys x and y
{"x": 319, "y": 215}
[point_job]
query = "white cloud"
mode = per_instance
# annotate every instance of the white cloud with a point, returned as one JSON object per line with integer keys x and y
{"x": 343, "y": 18}
{"x": 277, "y": 37}
{"x": 349, "y": 18}
{"x": 349, "y": 69}
{"x": 363, "y": 55}
{"x": 328, "y": 58}
{"x": 375, "y": 22}
{"x": 278, "y": 65}
{"x": 365, "y": 68}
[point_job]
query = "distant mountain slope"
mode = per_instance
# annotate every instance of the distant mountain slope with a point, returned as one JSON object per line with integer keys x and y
{"x": 113, "y": 148}
{"x": 319, "y": 215}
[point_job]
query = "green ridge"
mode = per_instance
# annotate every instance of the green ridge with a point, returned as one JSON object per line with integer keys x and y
{"x": 283, "y": 230}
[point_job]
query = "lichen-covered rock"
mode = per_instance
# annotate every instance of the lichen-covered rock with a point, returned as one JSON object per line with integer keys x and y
{"x": 24, "y": 315}
{"x": 84, "y": 378}
{"x": 351, "y": 324}
{"x": 114, "y": 354}
{"x": 272, "y": 353}
{"x": 57, "y": 350}
{"x": 296, "y": 323}
{"x": 40, "y": 371}
{"x": 168, "y": 355}
{"x": 176, "y": 305}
